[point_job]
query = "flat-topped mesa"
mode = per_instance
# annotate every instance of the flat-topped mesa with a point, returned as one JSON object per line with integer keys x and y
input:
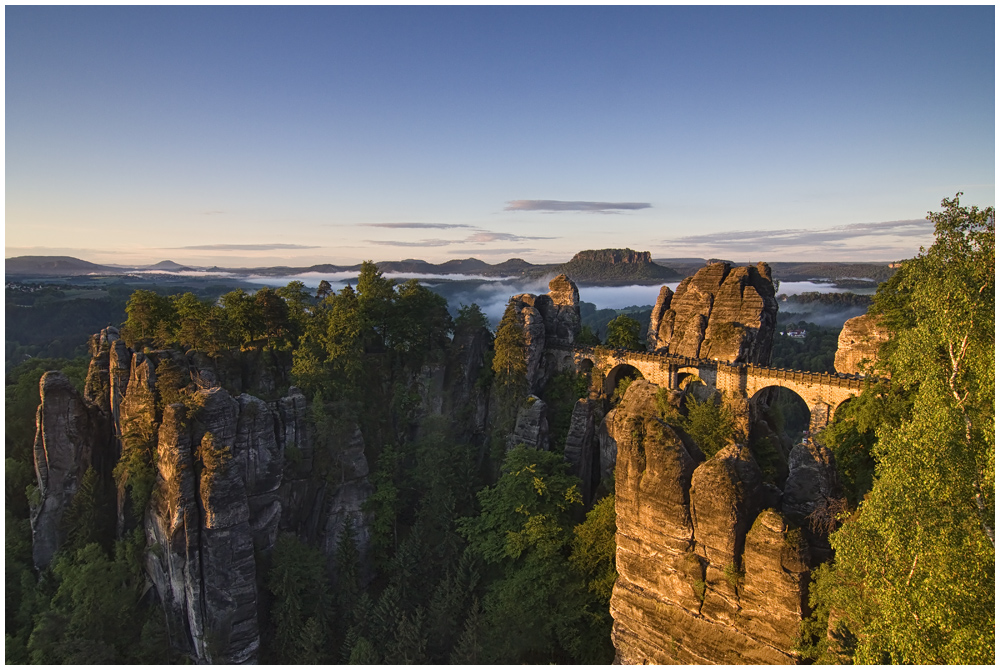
{"x": 614, "y": 256}
{"x": 721, "y": 312}
{"x": 857, "y": 346}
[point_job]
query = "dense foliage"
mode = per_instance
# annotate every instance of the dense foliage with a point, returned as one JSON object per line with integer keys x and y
{"x": 913, "y": 578}
{"x": 429, "y": 590}
{"x": 815, "y": 352}
{"x": 625, "y": 333}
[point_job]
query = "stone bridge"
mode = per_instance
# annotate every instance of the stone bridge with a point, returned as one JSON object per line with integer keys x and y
{"x": 822, "y": 392}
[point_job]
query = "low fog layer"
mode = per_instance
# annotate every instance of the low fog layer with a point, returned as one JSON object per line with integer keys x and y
{"x": 492, "y": 293}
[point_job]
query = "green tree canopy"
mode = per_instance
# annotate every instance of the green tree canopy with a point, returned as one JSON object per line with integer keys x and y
{"x": 623, "y": 333}
{"x": 914, "y": 567}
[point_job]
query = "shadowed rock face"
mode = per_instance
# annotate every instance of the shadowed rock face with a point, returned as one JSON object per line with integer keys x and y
{"x": 708, "y": 572}
{"x": 67, "y": 432}
{"x": 551, "y": 319}
{"x": 859, "y": 341}
{"x": 580, "y": 446}
{"x": 532, "y": 426}
{"x": 223, "y": 487}
{"x": 721, "y": 312}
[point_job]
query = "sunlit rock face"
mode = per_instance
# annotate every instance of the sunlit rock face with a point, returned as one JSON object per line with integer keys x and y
{"x": 857, "y": 346}
{"x": 721, "y": 312}
{"x": 710, "y": 570}
{"x": 224, "y": 486}
{"x": 560, "y": 309}
{"x": 549, "y": 319}
{"x": 232, "y": 471}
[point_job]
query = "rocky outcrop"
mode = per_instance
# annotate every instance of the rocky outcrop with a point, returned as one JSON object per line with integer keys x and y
{"x": 551, "y": 319}
{"x": 654, "y": 335}
{"x": 581, "y": 447}
{"x": 560, "y": 309}
{"x": 721, "y": 312}
{"x": 466, "y": 400}
{"x": 532, "y": 426}
{"x": 66, "y": 438}
{"x": 230, "y": 473}
{"x": 346, "y": 495}
{"x": 533, "y": 324}
{"x": 173, "y": 529}
{"x": 858, "y": 344}
{"x": 709, "y": 569}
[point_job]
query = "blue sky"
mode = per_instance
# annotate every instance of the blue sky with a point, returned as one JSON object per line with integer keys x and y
{"x": 256, "y": 136}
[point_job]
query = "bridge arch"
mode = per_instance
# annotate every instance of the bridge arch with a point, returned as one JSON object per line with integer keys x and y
{"x": 784, "y": 408}
{"x": 618, "y": 373}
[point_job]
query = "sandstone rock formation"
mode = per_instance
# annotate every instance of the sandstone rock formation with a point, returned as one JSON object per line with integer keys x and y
{"x": 663, "y": 301}
{"x": 466, "y": 402}
{"x": 551, "y": 319}
{"x": 65, "y": 443}
{"x": 710, "y": 571}
{"x": 532, "y": 426}
{"x": 560, "y": 309}
{"x": 858, "y": 344}
{"x": 581, "y": 447}
{"x": 721, "y": 312}
{"x": 224, "y": 485}
{"x": 533, "y": 325}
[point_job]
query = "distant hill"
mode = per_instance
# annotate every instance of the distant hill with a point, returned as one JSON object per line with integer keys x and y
{"x": 616, "y": 266}
{"x": 168, "y": 266}
{"x": 53, "y": 266}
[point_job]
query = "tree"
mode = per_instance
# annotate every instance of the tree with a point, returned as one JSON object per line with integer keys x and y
{"x": 302, "y": 601}
{"x": 710, "y": 423}
{"x": 376, "y": 298}
{"x": 323, "y": 290}
{"x": 243, "y": 316}
{"x": 535, "y": 609}
{"x": 510, "y": 368}
{"x": 150, "y": 316}
{"x": 192, "y": 314}
{"x": 273, "y": 313}
{"x": 623, "y": 333}
{"x": 470, "y": 318}
{"x": 914, "y": 566}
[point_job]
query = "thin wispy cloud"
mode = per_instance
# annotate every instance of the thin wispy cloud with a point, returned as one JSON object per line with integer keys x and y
{"x": 486, "y": 237}
{"x": 243, "y": 247}
{"x": 421, "y": 243}
{"x": 417, "y": 226}
{"x": 573, "y": 206}
{"x": 482, "y": 237}
{"x": 837, "y": 235}
{"x": 493, "y": 252}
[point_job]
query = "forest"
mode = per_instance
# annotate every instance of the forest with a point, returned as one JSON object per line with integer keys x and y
{"x": 486, "y": 553}
{"x": 459, "y": 531}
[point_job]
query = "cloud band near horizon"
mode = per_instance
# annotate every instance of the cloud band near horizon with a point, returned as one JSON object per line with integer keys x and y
{"x": 888, "y": 237}
{"x": 573, "y": 206}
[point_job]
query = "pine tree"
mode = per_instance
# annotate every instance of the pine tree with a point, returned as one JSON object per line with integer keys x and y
{"x": 468, "y": 650}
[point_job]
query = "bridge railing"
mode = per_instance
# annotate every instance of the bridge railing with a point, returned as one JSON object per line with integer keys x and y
{"x": 803, "y": 376}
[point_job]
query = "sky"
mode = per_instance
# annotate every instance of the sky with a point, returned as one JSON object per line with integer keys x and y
{"x": 251, "y": 136}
